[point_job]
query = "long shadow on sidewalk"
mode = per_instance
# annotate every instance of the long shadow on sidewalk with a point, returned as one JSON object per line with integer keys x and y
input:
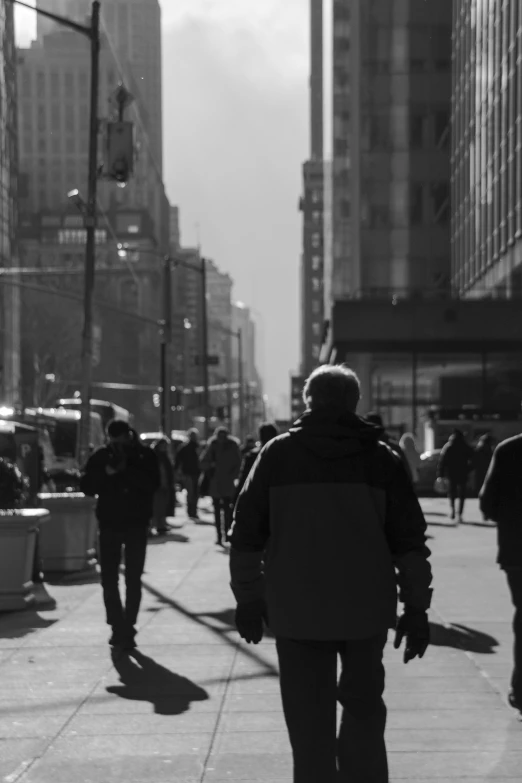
{"x": 223, "y": 632}
{"x": 145, "y": 680}
{"x": 463, "y": 638}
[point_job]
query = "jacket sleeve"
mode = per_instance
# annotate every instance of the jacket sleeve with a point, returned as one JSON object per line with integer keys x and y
{"x": 491, "y": 492}
{"x": 94, "y": 479}
{"x": 406, "y": 534}
{"x": 441, "y": 467}
{"x": 250, "y": 533}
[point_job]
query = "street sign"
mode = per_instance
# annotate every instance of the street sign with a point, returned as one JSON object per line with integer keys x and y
{"x": 212, "y": 361}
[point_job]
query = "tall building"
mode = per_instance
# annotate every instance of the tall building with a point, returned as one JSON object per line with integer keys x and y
{"x": 312, "y": 206}
{"x": 9, "y": 294}
{"x": 134, "y": 31}
{"x": 487, "y": 149}
{"x": 390, "y": 69}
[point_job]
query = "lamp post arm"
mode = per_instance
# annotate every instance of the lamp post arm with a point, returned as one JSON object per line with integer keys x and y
{"x": 79, "y": 28}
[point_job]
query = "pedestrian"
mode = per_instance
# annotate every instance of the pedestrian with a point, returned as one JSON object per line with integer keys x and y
{"x": 324, "y": 519}
{"x": 187, "y": 464}
{"x": 376, "y": 419}
{"x": 124, "y": 475}
{"x": 455, "y": 465}
{"x": 267, "y": 432}
{"x": 250, "y": 445}
{"x": 165, "y": 495}
{"x": 409, "y": 449}
{"x": 501, "y": 501}
{"x": 482, "y": 460}
{"x": 222, "y": 459}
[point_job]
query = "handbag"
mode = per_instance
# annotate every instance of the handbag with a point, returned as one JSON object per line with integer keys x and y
{"x": 441, "y": 486}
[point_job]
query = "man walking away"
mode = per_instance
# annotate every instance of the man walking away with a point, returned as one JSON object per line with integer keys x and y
{"x": 165, "y": 495}
{"x": 187, "y": 464}
{"x": 267, "y": 432}
{"x": 501, "y": 501}
{"x": 455, "y": 464}
{"x": 223, "y": 458}
{"x": 124, "y": 475}
{"x": 336, "y": 513}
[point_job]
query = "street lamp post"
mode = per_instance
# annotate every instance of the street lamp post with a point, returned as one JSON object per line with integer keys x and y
{"x": 93, "y": 34}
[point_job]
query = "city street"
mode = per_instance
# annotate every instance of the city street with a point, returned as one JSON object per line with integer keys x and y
{"x": 196, "y": 706}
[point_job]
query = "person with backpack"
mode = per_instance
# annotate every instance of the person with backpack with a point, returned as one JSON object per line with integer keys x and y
{"x": 326, "y": 527}
{"x": 124, "y": 476}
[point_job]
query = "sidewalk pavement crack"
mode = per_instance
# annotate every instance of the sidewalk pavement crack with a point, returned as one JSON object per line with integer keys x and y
{"x": 217, "y": 726}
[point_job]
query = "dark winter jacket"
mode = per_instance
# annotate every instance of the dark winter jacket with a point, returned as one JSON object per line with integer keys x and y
{"x": 336, "y": 513}
{"x": 125, "y": 498}
{"x": 187, "y": 459}
{"x": 456, "y": 460}
{"x": 481, "y": 462}
{"x": 501, "y": 500}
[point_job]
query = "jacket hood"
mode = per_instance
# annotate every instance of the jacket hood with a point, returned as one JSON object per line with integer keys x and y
{"x": 336, "y": 434}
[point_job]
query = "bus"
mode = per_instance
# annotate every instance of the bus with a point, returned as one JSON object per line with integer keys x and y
{"x": 63, "y": 427}
{"x": 107, "y": 410}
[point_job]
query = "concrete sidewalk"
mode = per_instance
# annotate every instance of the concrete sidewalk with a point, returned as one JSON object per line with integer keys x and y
{"x": 198, "y": 707}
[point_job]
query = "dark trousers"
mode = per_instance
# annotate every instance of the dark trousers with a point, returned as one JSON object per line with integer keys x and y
{"x": 131, "y": 544}
{"x": 310, "y": 690}
{"x": 192, "y": 485}
{"x": 514, "y": 577}
{"x": 223, "y": 515}
{"x": 457, "y": 491}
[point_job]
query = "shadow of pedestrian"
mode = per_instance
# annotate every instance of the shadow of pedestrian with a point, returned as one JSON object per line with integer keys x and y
{"x": 16, "y": 625}
{"x": 463, "y": 638}
{"x": 168, "y": 538}
{"x": 145, "y": 680}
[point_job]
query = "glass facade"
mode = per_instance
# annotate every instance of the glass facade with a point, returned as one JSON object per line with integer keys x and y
{"x": 391, "y": 147}
{"x": 487, "y": 148}
{"x": 9, "y": 295}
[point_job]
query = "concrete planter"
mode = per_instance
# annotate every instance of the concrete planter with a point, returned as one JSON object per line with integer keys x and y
{"x": 67, "y": 543}
{"x": 18, "y": 532}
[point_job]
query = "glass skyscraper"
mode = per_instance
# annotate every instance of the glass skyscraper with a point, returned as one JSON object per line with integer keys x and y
{"x": 487, "y": 148}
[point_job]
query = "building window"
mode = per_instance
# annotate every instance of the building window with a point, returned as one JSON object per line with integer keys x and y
{"x": 317, "y": 216}
{"x": 316, "y": 284}
{"x": 316, "y": 307}
{"x": 417, "y": 130}
{"x": 316, "y": 329}
{"x": 316, "y": 240}
{"x": 316, "y": 263}
{"x": 416, "y": 205}
{"x": 442, "y": 120}
{"x": 440, "y": 197}
{"x": 316, "y": 351}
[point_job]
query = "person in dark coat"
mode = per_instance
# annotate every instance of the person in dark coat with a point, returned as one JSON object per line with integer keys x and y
{"x": 455, "y": 465}
{"x": 250, "y": 445}
{"x": 325, "y": 519}
{"x": 267, "y": 432}
{"x": 124, "y": 475}
{"x": 187, "y": 464}
{"x": 482, "y": 460}
{"x": 222, "y": 459}
{"x": 501, "y": 501}
{"x": 165, "y": 496}
{"x": 376, "y": 419}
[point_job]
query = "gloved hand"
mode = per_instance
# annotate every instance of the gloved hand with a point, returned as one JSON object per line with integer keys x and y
{"x": 249, "y": 621}
{"x": 414, "y": 626}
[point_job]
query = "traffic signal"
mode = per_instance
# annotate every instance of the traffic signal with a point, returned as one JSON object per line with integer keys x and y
{"x": 156, "y": 400}
{"x": 120, "y": 151}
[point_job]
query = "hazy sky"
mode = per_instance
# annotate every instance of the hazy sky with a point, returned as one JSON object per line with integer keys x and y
{"x": 235, "y": 136}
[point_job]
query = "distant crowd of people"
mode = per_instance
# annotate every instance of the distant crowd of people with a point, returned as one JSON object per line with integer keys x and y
{"x": 326, "y": 536}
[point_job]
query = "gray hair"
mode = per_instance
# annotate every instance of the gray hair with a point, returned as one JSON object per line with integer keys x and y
{"x": 332, "y": 386}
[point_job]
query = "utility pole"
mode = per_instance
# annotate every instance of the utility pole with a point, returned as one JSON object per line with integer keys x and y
{"x": 166, "y": 337}
{"x": 241, "y": 392}
{"x": 204, "y": 358}
{"x": 90, "y": 248}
